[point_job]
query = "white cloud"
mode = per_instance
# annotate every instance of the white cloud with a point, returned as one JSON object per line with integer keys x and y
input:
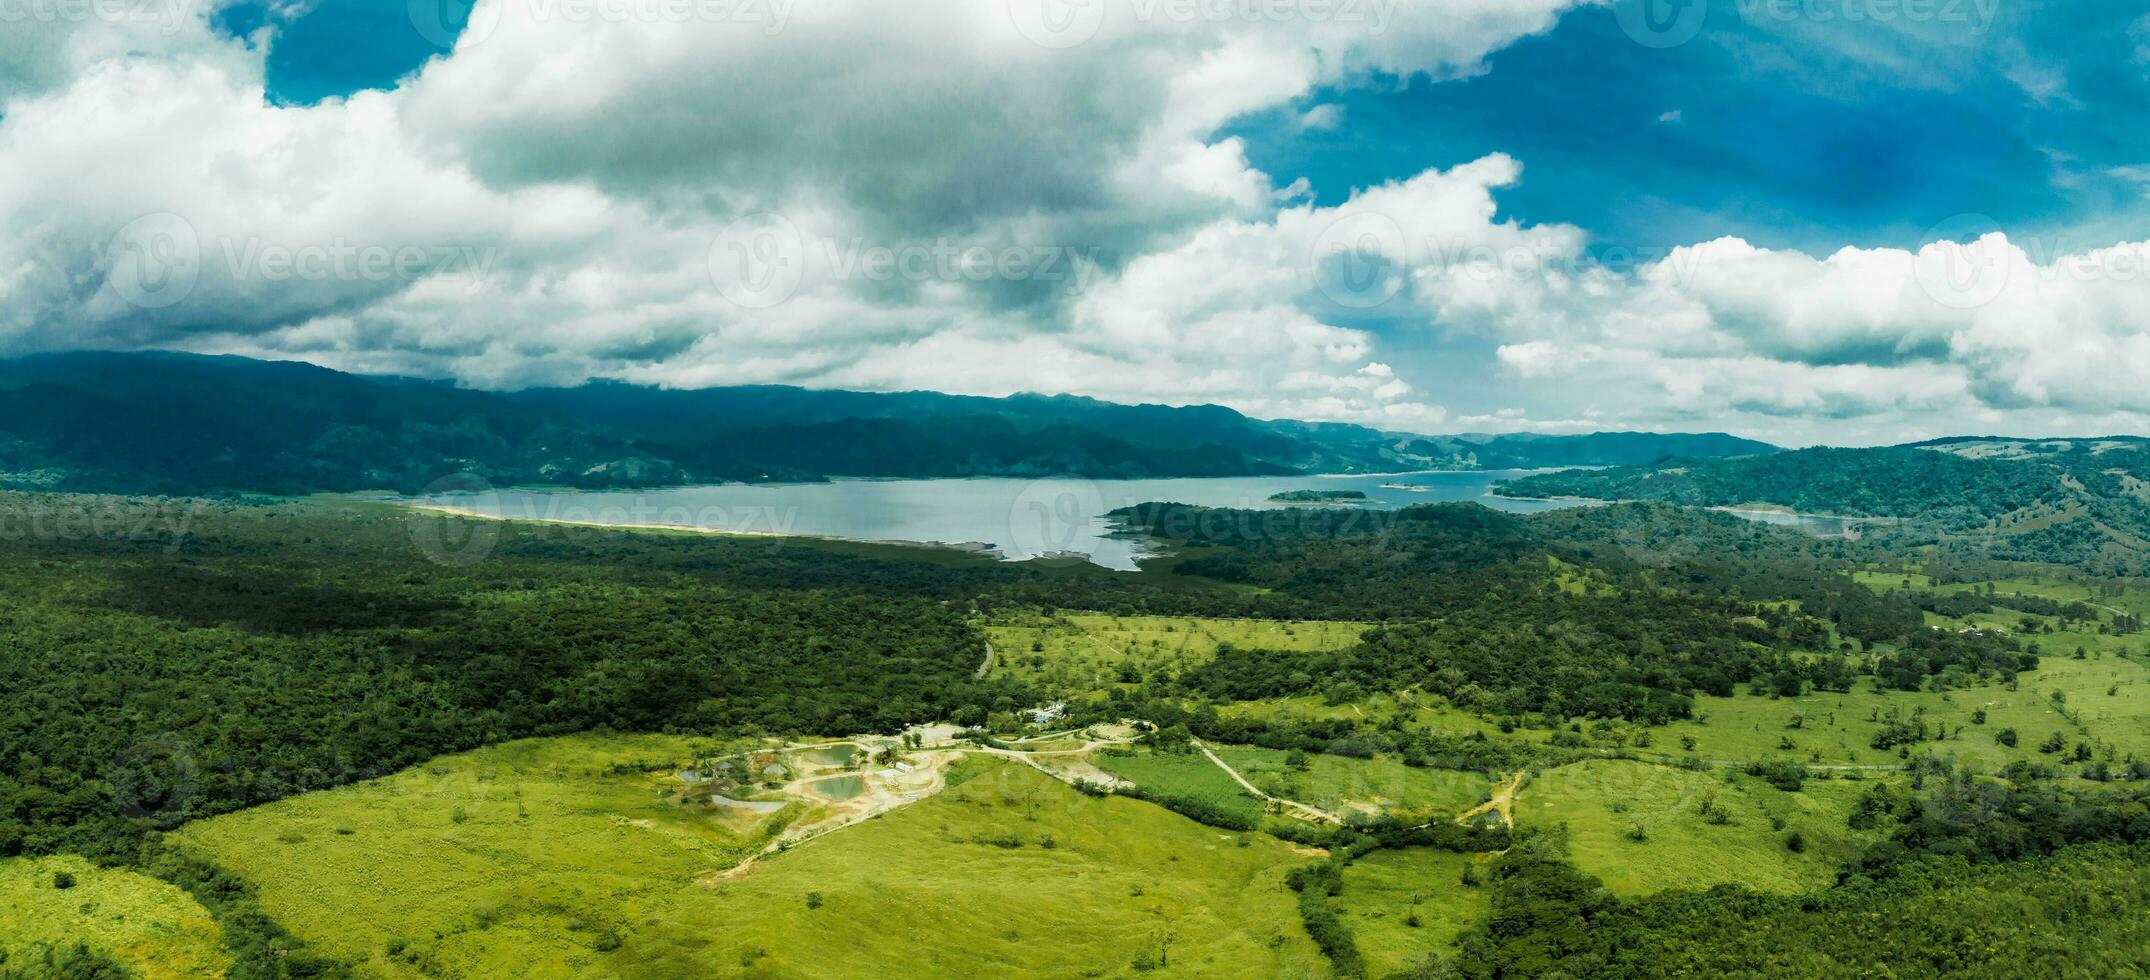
{"x": 563, "y": 180}
{"x": 562, "y": 183}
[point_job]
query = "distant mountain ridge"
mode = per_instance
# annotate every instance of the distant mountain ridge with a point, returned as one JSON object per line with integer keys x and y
{"x": 168, "y": 423}
{"x": 2081, "y": 502}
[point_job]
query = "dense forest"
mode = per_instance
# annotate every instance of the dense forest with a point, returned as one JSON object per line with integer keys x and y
{"x": 2079, "y": 502}
{"x": 1481, "y": 616}
{"x": 1975, "y": 878}
{"x": 170, "y": 659}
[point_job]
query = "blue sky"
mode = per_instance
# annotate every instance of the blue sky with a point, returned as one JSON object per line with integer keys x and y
{"x": 1790, "y": 132}
{"x": 1846, "y": 221}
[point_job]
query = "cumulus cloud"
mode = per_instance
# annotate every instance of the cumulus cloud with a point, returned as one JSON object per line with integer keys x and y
{"x": 1966, "y": 330}
{"x": 971, "y": 199}
{"x": 948, "y": 197}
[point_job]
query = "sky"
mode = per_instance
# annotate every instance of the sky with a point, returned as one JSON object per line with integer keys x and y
{"x": 1808, "y": 221}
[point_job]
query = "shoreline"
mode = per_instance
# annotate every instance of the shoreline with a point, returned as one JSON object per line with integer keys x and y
{"x": 980, "y": 549}
{"x": 1738, "y": 510}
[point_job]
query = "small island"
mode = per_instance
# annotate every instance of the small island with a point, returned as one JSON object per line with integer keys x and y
{"x": 1317, "y": 496}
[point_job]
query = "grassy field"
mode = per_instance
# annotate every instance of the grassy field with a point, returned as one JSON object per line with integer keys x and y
{"x": 1386, "y": 890}
{"x": 1334, "y": 782}
{"x": 532, "y": 859}
{"x": 1085, "y": 653}
{"x": 1602, "y": 802}
{"x": 1188, "y": 774}
{"x": 2051, "y": 586}
{"x": 528, "y": 850}
{"x": 1838, "y": 729}
{"x": 150, "y": 927}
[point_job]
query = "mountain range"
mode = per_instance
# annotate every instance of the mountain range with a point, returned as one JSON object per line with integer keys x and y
{"x": 2080, "y": 502}
{"x": 169, "y": 423}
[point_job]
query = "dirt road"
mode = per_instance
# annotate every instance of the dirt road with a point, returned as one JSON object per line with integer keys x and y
{"x": 1502, "y": 804}
{"x": 1293, "y": 805}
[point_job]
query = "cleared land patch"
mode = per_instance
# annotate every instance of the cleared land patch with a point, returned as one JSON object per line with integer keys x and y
{"x": 570, "y": 857}
{"x": 149, "y": 926}
{"x": 1405, "y": 904}
{"x": 2104, "y": 701}
{"x": 1338, "y": 783}
{"x": 1088, "y": 653}
{"x": 1697, "y": 829}
{"x": 1183, "y": 774}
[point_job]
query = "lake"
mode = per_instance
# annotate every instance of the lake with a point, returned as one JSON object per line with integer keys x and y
{"x": 1016, "y": 518}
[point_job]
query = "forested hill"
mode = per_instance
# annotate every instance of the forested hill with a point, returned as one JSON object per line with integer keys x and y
{"x": 2084, "y": 502}
{"x": 162, "y": 423}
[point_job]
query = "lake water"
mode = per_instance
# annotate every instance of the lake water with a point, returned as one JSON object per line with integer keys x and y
{"x": 1018, "y": 518}
{"x": 835, "y": 755}
{"x": 838, "y": 787}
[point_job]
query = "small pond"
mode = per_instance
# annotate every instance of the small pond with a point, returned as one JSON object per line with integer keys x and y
{"x": 838, "y": 787}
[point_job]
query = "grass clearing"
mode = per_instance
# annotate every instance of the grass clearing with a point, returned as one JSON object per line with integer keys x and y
{"x": 1384, "y": 892}
{"x": 1334, "y": 782}
{"x": 1838, "y": 729}
{"x": 1603, "y": 801}
{"x": 528, "y": 853}
{"x": 149, "y": 926}
{"x": 1188, "y": 774}
{"x": 1087, "y": 653}
{"x": 560, "y": 865}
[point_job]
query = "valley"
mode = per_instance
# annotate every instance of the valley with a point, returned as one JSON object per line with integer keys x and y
{"x": 1182, "y": 769}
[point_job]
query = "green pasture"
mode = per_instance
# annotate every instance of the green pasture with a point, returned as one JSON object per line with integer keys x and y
{"x": 1405, "y": 904}
{"x": 150, "y": 927}
{"x": 566, "y": 858}
{"x": 1680, "y": 845}
{"x": 1338, "y": 783}
{"x": 1084, "y": 653}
